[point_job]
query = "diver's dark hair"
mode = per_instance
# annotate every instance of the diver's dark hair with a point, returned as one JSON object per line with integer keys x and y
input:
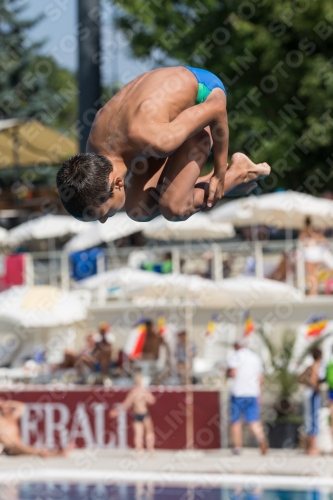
{"x": 83, "y": 184}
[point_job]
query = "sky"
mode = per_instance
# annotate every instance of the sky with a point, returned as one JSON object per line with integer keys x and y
{"x": 59, "y": 28}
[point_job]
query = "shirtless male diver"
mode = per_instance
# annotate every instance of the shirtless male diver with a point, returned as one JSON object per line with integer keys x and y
{"x": 139, "y": 398}
{"x": 10, "y": 437}
{"x": 147, "y": 148}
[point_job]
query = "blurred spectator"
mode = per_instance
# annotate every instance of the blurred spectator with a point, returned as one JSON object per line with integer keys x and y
{"x": 164, "y": 266}
{"x": 208, "y": 259}
{"x": 285, "y": 266}
{"x": 329, "y": 380}
{"x": 228, "y": 265}
{"x": 313, "y": 243}
{"x": 311, "y": 378}
{"x": 246, "y": 370}
{"x": 250, "y": 266}
{"x": 151, "y": 353}
{"x": 102, "y": 353}
{"x": 95, "y": 357}
{"x": 89, "y": 347}
{"x": 254, "y": 233}
{"x": 185, "y": 352}
{"x": 74, "y": 360}
{"x": 10, "y": 434}
{"x": 152, "y": 343}
{"x": 139, "y": 399}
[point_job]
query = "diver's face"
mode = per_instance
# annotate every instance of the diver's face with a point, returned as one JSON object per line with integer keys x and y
{"x": 112, "y": 206}
{"x": 114, "y": 203}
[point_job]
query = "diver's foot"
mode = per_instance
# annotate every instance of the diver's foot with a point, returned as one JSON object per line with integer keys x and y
{"x": 243, "y": 171}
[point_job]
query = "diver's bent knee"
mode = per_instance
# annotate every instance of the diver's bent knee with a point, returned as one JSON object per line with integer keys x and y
{"x": 174, "y": 212}
{"x": 141, "y": 215}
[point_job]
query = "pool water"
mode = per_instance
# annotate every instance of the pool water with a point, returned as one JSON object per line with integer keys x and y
{"x": 145, "y": 491}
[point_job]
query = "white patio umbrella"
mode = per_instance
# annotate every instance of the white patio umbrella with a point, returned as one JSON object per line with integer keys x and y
{"x": 170, "y": 286}
{"x": 119, "y": 226}
{"x": 45, "y": 228}
{"x": 118, "y": 283}
{"x": 198, "y": 227}
{"x": 124, "y": 278}
{"x": 286, "y": 209}
{"x": 243, "y": 292}
{"x": 41, "y": 306}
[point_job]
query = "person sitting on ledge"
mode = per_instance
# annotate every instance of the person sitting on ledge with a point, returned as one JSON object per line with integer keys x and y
{"x": 10, "y": 435}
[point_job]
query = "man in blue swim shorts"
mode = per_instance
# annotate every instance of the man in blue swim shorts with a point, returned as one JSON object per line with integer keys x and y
{"x": 246, "y": 371}
{"x": 148, "y": 146}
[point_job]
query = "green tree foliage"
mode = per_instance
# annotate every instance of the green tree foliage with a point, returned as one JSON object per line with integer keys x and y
{"x": 58, "y": 93}
{"x": 275, "y": 59}
{"x": 281, "y": 375}
{"x": 31, "y": 85}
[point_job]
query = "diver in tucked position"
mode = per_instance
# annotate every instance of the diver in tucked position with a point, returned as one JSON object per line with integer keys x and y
{"x": 148, "y": 146}
{"x": 139, "y": 399}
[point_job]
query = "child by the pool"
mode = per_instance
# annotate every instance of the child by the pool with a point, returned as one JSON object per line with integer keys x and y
{"x": 139, "y": 399}
{"x": 148, "y": 146}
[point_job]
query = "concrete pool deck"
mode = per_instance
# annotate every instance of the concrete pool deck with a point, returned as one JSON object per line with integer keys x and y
{"x": 208, "y": 468}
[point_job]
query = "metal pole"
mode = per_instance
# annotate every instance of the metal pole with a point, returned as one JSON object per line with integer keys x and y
{"x": 188, "y": 339}
{"x": 29, "y": 277}
{"x": 16, "y": 163}
{"x": 189, "y": 374}
{"x": 300, "y": 268}
{"x": 52, "y": 262}
{"x": 259, "y": 259}
{"x": 217, "y": 262}
{"x": 64, "y": 262}
{"x": 224, "y": 417}
{"x": 89, "y": 67}
{"x": 289, "y": 248}
{"x": 175, "y": 260}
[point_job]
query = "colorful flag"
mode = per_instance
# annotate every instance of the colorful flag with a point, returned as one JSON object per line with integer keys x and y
{"x": 316, "y": 325}
{"x": 161, "y": 325}
{"x": 136, "y": 340}
{"x": 249, "y": 326}
{"x": 211, "y": 327}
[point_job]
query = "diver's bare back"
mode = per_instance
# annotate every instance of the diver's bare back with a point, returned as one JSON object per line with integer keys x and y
{"x": 158, "y": 96}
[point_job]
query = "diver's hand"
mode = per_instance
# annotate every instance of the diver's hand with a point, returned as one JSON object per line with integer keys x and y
{"x": 216, "y": 190}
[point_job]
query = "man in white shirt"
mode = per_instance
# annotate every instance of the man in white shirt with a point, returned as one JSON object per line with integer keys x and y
{"x": 246, "y": 370}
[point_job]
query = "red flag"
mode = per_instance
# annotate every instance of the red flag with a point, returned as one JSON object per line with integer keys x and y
{"x": 316, "y": 326}
{"x": 249, "y": 326}
{"x": 136, "y": 341}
